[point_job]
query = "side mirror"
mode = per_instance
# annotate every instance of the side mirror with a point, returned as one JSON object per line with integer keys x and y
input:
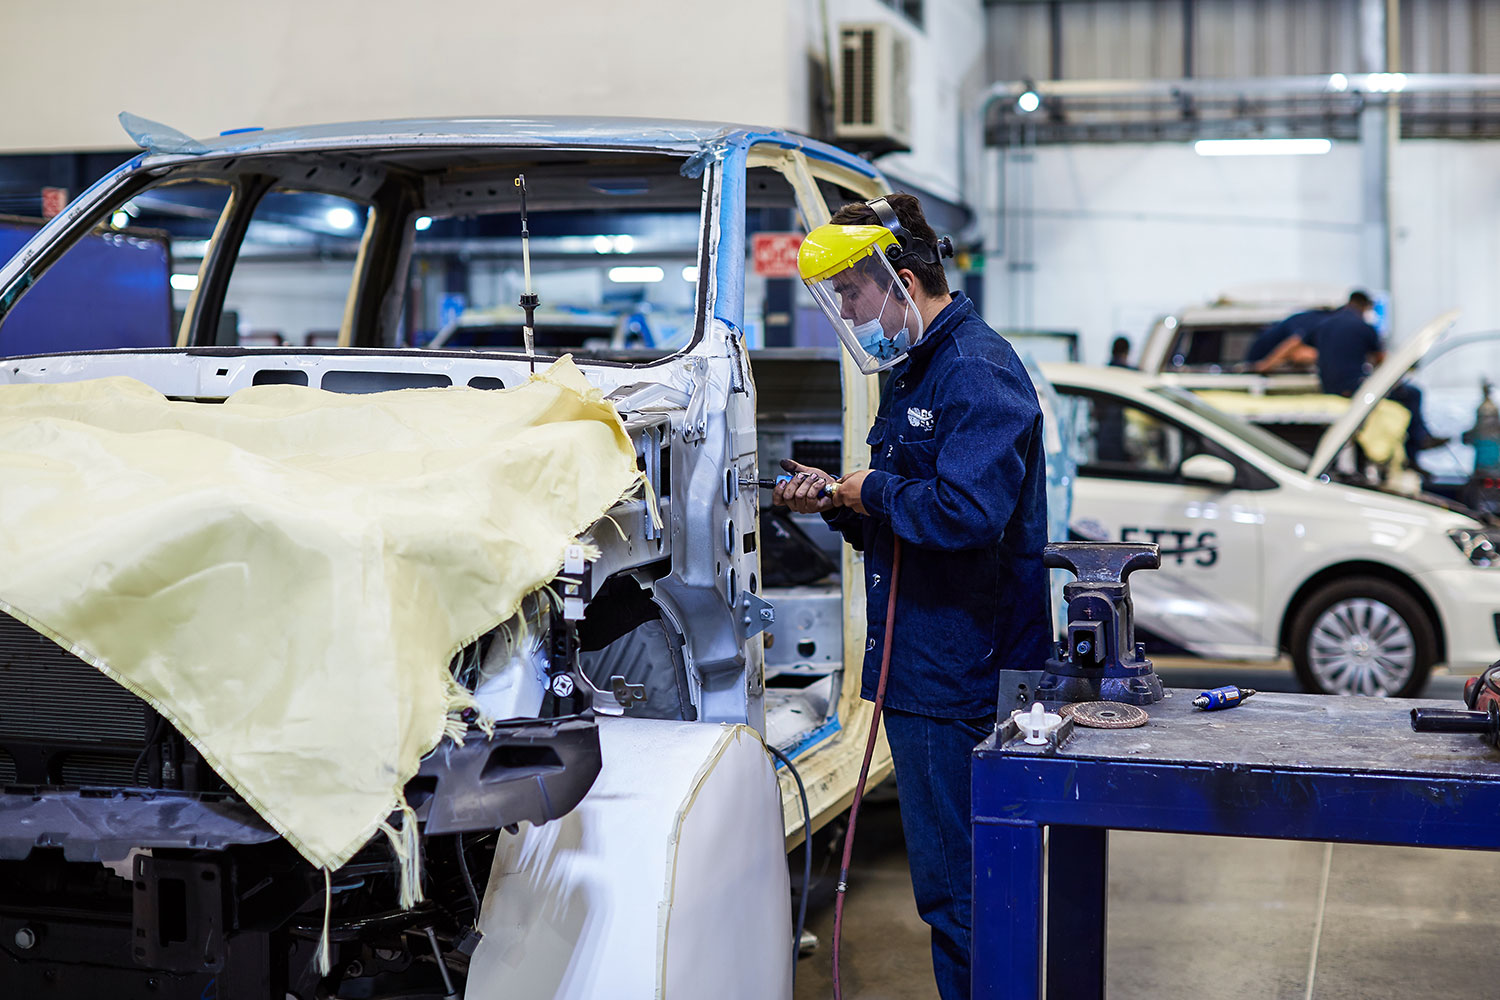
{"x": 1208, "y": 469}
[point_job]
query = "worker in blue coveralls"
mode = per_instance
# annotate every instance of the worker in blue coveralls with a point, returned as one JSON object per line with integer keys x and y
{"x": 1340, "y": 342}
{"x": 958, "y": 475}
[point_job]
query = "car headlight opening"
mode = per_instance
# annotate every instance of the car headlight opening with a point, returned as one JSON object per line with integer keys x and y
{"x": 1482, "y": 548}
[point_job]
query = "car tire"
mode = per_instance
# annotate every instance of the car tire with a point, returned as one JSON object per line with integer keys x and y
{"x": 1363, "y": 635}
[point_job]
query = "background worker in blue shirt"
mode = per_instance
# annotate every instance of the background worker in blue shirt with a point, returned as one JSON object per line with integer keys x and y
{"x": 1340, "y": 345}
{"x": 958, "y": 475}
{"x": 1296, "y": 325}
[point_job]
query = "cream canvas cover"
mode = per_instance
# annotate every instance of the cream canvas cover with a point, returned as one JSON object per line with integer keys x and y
{"x": 286, "y": 575}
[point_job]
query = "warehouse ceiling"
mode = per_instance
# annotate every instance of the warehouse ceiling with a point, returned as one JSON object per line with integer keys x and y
{"x": 1117, "y": 42}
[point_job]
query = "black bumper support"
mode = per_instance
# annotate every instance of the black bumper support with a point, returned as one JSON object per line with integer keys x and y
{"x": 534, "y": 770}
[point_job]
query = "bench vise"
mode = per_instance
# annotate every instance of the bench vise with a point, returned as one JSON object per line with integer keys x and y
{"x": 1099, "y": 659}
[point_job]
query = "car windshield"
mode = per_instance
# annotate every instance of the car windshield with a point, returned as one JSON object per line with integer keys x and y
{"x": 433, "y": 259}
{"x": 1262, "y": 440}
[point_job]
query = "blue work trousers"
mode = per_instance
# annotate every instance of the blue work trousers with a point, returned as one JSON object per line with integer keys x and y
{"x": 1410, "y": 397}
{"x": 932, "y": 778}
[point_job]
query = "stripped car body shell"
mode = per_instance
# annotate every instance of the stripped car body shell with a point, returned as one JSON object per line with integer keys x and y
{"x": 691, "y": 416}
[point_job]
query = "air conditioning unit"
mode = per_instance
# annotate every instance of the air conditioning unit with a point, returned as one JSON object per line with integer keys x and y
{"x": 873, "y": 89}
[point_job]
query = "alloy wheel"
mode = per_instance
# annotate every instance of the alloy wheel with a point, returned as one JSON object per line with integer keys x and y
{"x": 1361, "y": 646}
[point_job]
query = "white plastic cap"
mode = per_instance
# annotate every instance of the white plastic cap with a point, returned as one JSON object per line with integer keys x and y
{"x": 1036, "y": 723}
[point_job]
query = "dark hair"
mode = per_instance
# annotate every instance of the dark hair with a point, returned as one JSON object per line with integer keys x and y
{"x": 1360, "y": 300}
{"x": 909, "y": 210}
{"x": 1120, "y": 347}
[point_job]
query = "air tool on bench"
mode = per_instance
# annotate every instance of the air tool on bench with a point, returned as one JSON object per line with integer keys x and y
{"x": 1099, "y": 659}
{"x": 1482, "y": 695}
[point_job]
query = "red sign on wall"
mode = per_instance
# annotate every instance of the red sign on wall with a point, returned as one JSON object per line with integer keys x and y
{"x": 54, "y": 200}
{"x": 775, "y": 254}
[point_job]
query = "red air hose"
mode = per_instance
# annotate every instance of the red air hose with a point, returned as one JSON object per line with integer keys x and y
{"x": 864, "y": 769}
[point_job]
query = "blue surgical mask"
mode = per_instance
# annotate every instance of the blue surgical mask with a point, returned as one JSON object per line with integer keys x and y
{"x": 872, "y": 338}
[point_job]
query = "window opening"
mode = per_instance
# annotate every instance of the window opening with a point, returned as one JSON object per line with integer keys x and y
{"x": 291, "y": 278}
{"x": 124, "y": 283}
{"x": 614, "y": 262}
{"x": 1119, "y": 440}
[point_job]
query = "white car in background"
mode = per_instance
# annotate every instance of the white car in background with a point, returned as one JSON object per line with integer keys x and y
{"x": 1196, "y": 345}
{"x": 1266, "y": 548}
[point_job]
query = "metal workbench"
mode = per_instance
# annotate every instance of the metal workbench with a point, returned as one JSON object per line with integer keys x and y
{"x": 1284, "y": 766}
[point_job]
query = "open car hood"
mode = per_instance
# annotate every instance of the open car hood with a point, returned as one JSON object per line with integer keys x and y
{"x": 1374, "y": 388}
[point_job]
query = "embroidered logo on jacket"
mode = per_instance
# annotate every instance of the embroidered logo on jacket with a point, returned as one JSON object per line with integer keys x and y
{"x": 920, "y": 418}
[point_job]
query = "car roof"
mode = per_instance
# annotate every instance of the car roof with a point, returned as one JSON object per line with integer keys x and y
{"x": 646, "y": 134}
{"x": 1098, "y": 376}
{"x": 1243, "y": 315}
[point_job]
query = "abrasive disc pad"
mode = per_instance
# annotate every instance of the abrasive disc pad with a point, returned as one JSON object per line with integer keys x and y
{"x": 1106, "y": 714}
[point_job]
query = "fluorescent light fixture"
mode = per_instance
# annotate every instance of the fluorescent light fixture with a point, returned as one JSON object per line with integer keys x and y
{"x": 1261, "y": 147}
{"x": 618, "y": 243}
{"x": 690, "y": 273}
{"x": 184, "y": 282}
{"x": 1028, "y": 102}
{"x": 424, "y": 223}
{"x": 340, "y": 218}
{"x": 1385, "y": 83}
{"x": 1338, "y": 82}
{"x": 120, "y": 219}
{"x": 635, "y": 275}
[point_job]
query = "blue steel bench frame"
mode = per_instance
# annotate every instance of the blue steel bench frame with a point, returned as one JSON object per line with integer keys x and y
{"x": 1294, "y": 767}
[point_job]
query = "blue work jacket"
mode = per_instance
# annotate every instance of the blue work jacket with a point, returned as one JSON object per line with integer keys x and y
{"x": 960, "y": 477}
{"x": 1296, "y": 325}
{"x": 1343, "y": 341}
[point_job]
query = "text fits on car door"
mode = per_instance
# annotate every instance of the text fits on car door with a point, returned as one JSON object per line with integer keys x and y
{"x": 1178, "y": 547}
{"x": 1206, "y": 598}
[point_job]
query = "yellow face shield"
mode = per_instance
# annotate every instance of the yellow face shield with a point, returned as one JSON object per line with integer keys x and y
{"x": 850, "y": 277}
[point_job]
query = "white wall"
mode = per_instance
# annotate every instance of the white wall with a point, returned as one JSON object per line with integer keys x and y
{"x": 1124, "y": 233}
{"x": 947, "y": 71}
{"x": 203, "y": 67}
{"x": 1446, "y": 220}
{"x": 1446, "y": 216}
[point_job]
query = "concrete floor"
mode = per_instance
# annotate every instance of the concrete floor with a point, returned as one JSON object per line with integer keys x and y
{"x": 1205, "y": 917}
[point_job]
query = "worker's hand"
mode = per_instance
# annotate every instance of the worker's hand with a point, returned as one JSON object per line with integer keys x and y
{"x": 1305, "y": 356}
{"x": 800, "y": 493}
{"x": 847, "y": 495}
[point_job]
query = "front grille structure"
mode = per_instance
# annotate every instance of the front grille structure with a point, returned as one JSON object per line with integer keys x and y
{"x": 61, "y": 720}
{"x": 96, "y": 769}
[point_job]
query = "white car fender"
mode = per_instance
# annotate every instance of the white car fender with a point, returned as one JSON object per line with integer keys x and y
{"x": 668, "y": 880}
{"x": 1350, "y": 526}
